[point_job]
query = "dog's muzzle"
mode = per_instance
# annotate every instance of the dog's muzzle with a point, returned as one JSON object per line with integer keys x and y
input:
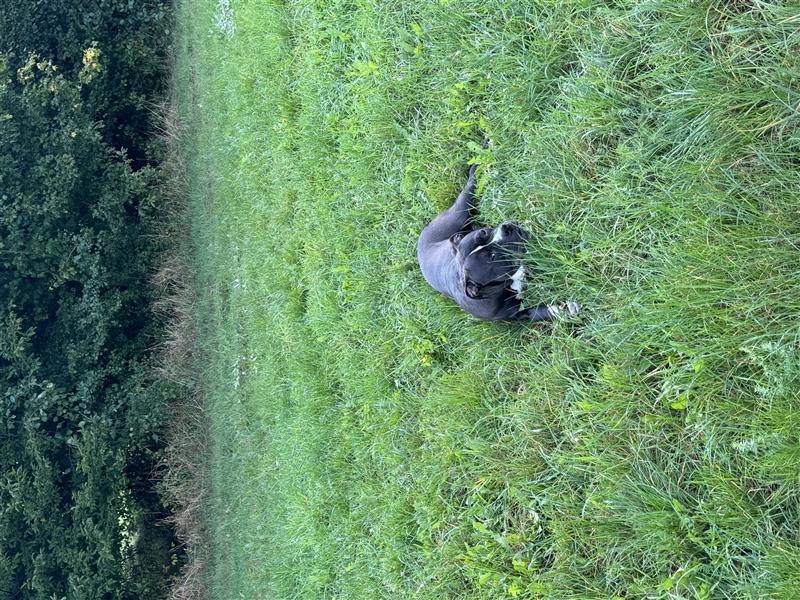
{"x": 509, "y": 232}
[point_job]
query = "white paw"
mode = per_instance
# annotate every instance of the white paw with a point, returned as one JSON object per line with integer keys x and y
{"x": 573, "y": 308}
{"x": 556, "y": 311}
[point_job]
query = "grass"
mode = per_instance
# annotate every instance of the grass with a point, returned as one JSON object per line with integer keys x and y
{"x": 370, "y": 440}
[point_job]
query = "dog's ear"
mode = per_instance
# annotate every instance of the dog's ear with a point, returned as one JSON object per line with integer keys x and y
{"x": 472, "y": 290}
{"x": 455, "y": 240}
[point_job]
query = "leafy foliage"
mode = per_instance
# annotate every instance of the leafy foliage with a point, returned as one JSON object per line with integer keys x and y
{"x": 132, "y": 38}
{"x": 80, "y": 412}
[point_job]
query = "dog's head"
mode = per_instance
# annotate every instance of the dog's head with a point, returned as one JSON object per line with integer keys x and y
{"x": 488, "y": 257}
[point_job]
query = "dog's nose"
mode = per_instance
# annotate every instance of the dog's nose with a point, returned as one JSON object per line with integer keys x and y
{"x": 501, "y": 232}
{"x": 514, "y": 232}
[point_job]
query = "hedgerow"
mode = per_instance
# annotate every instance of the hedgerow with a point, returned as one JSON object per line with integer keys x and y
{"x": 81, "y": 413}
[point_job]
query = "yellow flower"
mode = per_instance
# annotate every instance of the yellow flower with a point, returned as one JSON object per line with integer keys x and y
{"x": 91, "y": 63}
{"x": 91, "y": 58}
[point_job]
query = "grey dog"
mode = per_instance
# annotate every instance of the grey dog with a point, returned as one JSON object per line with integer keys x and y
{"x": 480, "y": 267}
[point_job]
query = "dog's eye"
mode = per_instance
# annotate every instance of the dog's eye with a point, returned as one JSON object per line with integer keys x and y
{"x": 492, "y": 255}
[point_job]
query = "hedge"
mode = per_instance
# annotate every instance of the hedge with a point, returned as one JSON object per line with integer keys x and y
{"x": 81, "y": 413}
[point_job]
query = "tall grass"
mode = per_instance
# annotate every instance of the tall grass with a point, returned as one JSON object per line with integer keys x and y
{"x": 183, "y": 475}
{"x": 371, "y": 440}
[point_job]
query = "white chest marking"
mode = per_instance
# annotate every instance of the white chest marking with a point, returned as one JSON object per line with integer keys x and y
{"x": 517, "y": 279}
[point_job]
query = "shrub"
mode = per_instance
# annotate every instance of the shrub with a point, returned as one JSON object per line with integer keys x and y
{"x": 133, "y": 43}
{"x": 80, "y": 411}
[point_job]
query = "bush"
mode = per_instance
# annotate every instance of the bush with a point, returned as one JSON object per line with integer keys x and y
{"x": 133, "y": 44}
{"x": 80, "y": 410}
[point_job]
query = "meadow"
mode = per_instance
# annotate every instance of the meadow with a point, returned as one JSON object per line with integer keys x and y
{"x": 370, "y": 440}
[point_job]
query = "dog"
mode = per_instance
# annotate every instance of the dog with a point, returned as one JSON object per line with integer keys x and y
{"x": 480, "y": 267}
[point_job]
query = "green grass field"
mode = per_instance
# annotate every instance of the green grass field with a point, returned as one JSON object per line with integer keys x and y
{"x": 369, "y": 440}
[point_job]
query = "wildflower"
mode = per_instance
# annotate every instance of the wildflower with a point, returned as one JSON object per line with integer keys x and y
{"x": 26, "y": 73}
{"x": 91, "y": 63}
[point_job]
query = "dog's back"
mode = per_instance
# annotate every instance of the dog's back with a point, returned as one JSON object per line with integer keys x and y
{"x": 439, "y": 267}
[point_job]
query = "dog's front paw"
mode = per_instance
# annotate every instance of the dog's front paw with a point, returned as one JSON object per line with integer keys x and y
{"x": 562, "y": 310}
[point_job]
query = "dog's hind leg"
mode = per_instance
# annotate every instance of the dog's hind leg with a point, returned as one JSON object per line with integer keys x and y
{"x": 454, "y": 219}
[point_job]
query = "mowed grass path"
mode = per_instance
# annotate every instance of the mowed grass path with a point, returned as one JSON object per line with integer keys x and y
{"x": 372, "y": 441}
